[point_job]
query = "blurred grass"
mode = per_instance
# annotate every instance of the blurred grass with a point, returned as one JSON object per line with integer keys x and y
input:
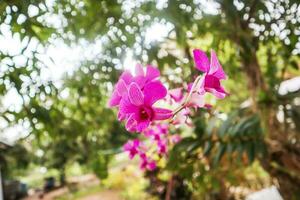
{"x": 129, "y": 181}
{"x": 82, "y": 192}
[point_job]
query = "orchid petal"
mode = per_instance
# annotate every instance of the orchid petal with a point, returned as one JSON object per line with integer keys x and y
{"x": 162, "y": 114}
{"x": 151, "y": 165}
{"x": 136, "y": 143}
{"x": 132, "y": 146}
{"x": 114, "y": 99}
{"x": 201, "y": 60}
{"x": 140, "y": 81}
{"x": 153, "y": 92}
{"x": 135, "y": 94}
{"x": 121, "y": 87}
{"x": 141, "y": 126}
{"x": 176, "y": 94}
{"x": 121, "y": 116}
{"x": 131, "y": 123}
{"x": 189, "y": 86}
{"x": 152, "y": 73}
{"x": 215, "y": 66}
{"x": 217, "y": 92}
{"x": 126, "y": 76}
{"x": 126, "y": 107}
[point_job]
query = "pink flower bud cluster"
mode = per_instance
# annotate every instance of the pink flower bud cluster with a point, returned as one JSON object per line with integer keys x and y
{"x": 158, "y": 140}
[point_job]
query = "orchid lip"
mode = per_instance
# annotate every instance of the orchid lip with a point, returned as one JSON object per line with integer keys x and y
{"x": 145, "y": 113}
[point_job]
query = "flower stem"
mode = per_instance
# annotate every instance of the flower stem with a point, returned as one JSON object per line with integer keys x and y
{"x": 187, "y": 97}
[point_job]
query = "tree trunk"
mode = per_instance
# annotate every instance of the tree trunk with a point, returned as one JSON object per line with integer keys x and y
{"x": 62, "y": 177}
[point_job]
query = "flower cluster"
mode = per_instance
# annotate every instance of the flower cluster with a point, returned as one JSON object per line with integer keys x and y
{"x": 136, "y": 95}
{"x": 135, "y": 147}
{"x": 158, "y": 140}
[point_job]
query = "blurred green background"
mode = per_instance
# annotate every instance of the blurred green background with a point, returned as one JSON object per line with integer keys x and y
{"x": 59, "y": 60}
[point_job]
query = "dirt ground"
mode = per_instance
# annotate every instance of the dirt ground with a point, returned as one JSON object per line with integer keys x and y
{"x": 86, "y": 180}
{"x": 105, "y": 195}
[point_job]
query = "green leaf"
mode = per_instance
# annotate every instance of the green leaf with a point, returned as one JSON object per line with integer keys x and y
{"x": 225, "y": 126}
{"x": 220, "y": 152}
{"x": 250, "y": 151}
{"x": 207, "y": 148}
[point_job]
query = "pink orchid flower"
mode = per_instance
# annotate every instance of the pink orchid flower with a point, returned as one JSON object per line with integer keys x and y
{"x": 162, "y": 128}
{"x": 147, "y": 163}
{"x": 149, "y": 132}
{"x": 138, "y": 107}
{"x": 141, "y": 78}
{"x": 213, "y": 73}
{"x": 132, "y": 146}
{"x": 162, "y": 146}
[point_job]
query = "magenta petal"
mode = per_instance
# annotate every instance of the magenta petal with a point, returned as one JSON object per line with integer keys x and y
{"x": 131, "y": 124}
{"x": 126, "y": 76}
{"x": 215, "y": 66}
{"x": 140, "y": 80}
{"x": 220, "y": 74}
{"x": 153, "y": 92}
{"x": 201, "y": 60}
{"x": 176, "y": 94}
{"x": 152, "y": 73}
{"x": 162, "y": 114}
{"x": 211, "y": 81}
{"x": 127, "y": 146}
{"x": 217, "y": 92}
{"x": 135, "y": 94}
{"x": 126, "y": 107}
{"x": 136, "y": 143}
{"x": 114, "y": 99}
{"x": 213, "y": 85}
{"x": 139, "y": 71}
{"x": 151, "y": 165}
{"x": 121, "y": 116}
{"x": 189, "y": 86}
{"x": 141, "y": 126}
{"x": 121, "y": 87}
{"x": 132, "y": 147}
{"x": 143, "y": 164}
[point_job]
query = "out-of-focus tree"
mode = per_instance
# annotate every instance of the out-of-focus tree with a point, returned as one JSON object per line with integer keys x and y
{"x": 68, "y": 129}
{"x": 14, "y": 159}
{"x": 258, "y": 45}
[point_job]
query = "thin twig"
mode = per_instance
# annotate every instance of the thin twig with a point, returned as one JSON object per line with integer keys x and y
{"x": 169, "y": 188}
